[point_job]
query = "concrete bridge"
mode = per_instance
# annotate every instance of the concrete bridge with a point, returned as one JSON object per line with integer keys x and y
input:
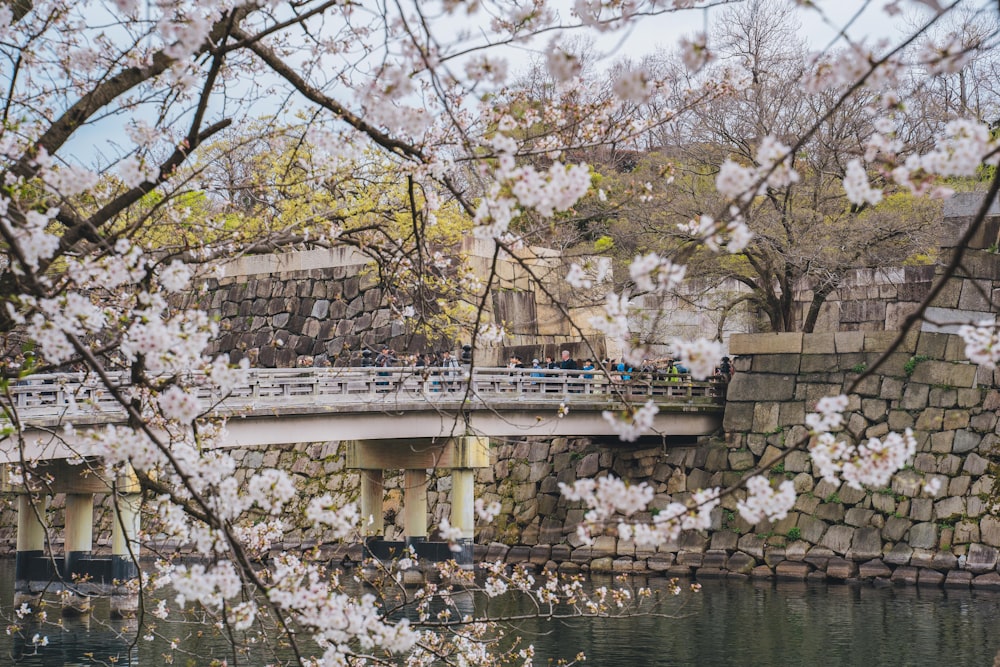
{"x": 282, "y": 406}
{"x": 412, "y": 419}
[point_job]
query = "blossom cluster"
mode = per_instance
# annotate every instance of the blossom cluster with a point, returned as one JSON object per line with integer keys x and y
{"x": 982, "y": 343}
{"x": 633, "y": 423}
{"x": 765, "y": 502}
{"x": 869, "y": 463}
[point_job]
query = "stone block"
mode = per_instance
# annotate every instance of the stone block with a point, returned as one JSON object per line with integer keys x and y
{"x": 923, "y": 536}
{"x": 899, "y": 554}
{"x": 975, "y": 464}
{"x": 738, "y": 416}
{"x": 752, "y": 545}
{"x": 965, "y": 441}
{"x": 984, "y": 422}
{"x": 839, "y": 568}
{"x": 689, "y": 559}
{"x": 933, "y": 372}
{"x": 942, "y": 561}
{"x": 949, "y": 508}
{"x": 791, "y": 414}
{"x": 899, "y": 420}
{"x": 849, "y": 341}
{"x": 915, "y": 397}
{"x": 989, "y": 528}
{"x": 921, "y": 509}
{"x": 884, "y": 502}
{"x": 838, "y": 539}
{"x": 820, "y": 363}
{"x": 930, "y": 419}
{"x": 714, "y": 561}
{"x": 949, "y": 464}
{"x": 955, "y": 419}
{"x": 784, "y": 364}
{"x": 765, "y": 417}
{"x": 792, "y": 571}
{"x": 966, "y": 532}
{"x": 870, "y": 386}
{"x": 830, "y": 512}
{"x": 942, "y": 441}
{"x": 865, "y": 545}
{"x": 806, "y": 504}
{"x": 766, "y": 343}
{"x": 858, "y": 517}
{"x": 660, "y": 562}
{"x": 981, "y": 558}
{"x": 925, "y": 462}
{"x": 929, "y": 577}
{"x": 602, "y": 564}
{"x": 874, "y": 569}
{"x": 751, "y": 387}
{"x": 850, "y": 495}
{"x": 958, "y": 579}
{"x": 987, "y": 582}
{"x": 874, "y": 409}
{"x": 620, "y": 565}
{"x": 741, "y": 563}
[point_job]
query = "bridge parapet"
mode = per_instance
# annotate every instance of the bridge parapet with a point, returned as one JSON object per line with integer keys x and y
{"x": 83, "y": 397}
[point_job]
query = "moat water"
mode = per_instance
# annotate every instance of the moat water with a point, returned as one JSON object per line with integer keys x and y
{"x": 727, "y": 623}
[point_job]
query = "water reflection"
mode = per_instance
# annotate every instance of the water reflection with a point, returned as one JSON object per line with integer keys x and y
{"x": 728, "y": 623}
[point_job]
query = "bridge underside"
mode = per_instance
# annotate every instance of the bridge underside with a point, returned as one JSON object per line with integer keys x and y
{"x": 277, "y": 426}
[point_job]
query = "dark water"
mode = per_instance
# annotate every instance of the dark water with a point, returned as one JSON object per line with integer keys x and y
{"x": 728, "y": 623}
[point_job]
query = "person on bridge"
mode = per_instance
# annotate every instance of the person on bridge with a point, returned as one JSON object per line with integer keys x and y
{"x": 450, "y": 366}
{"x": 568, "y": 362}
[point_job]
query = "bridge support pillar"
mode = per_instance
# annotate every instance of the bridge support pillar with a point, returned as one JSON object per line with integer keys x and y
{"x": 463, "y": 502}
{"x": 30, "y": 546}
{"x": 79, "y": 547}
{"x": 415, "y": 506}
{"x": 125, "y": 556}
{"x": 462, "y": 455}
{"x": 372, "y": 520}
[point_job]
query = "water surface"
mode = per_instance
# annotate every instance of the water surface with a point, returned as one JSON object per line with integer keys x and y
{"x": 727, "y": 623}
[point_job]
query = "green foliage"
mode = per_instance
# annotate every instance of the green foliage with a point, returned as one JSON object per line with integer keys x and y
{"x": 778, "y": 468}
{"x": 911, "y": 364}
{"x": 859, "y": 368}
{"x": 604, "y": 244}
{"x": 795, "y": 533}
{"x": 832, "y": 498}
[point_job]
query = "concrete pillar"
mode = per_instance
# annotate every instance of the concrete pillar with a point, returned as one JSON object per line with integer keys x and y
{"x": 415, "y": 506}
{"x": 463, "y": 506}
{"x": 30, "y": 547}
{"x": 79, "y": 546}
{"x": 124, "y": 556}
{"x": 372, "y": 494}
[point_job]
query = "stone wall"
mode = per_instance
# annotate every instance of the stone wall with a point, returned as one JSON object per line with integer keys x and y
{"x": 897, "y": 533}
{"x": 318, "y": 308}
{"x": 323, "y": 307}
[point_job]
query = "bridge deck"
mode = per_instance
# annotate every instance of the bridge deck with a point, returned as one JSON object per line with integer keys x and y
{"x": 276, "y": 406}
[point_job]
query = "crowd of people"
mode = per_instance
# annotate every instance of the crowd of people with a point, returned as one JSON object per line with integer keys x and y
{"x": 666, "y": 368}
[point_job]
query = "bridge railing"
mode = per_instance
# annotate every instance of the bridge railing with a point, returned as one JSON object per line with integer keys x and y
{"x": 45, "y": 395}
